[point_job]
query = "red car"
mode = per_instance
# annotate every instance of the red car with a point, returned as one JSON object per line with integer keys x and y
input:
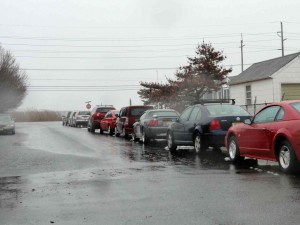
{"x": 97, "y": 114}
{"x": 108, "y": 123}
{"x": 272, "y": 134}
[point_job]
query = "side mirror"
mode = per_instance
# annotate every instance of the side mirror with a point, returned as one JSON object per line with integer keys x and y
{"x": 247, "y": 121}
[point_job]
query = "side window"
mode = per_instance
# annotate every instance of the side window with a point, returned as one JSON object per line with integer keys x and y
{"x": 194, "y": 113}
{"x": 122, "y": 112}
{"x": 280, "y": 115}
{"x": 267, "y": 115}
{"x": 108, "y": 115}
{"x": 198, "y": 118}
{"x": 186, "y": 113}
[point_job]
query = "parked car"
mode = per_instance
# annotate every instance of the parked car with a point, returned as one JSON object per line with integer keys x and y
{"x": 81, "y": 118}
{"x": 153, "y": 124}
{"x": 7, "y": 124}
{"x": 108, "y": 123}
{"x": 204, "y": 125}
{"x": 272, "y": 134}
{"x": 127, "y": 117}
{"x": 71, "y": 119}
{"x": 97, "y": 114}
{"x": 65, "y": 118}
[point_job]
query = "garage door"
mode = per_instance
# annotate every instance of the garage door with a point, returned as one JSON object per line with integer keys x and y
{"x": 290, "y": 91}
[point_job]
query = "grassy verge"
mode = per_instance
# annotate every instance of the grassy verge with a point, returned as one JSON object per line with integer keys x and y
{"x": 36, "y": 116}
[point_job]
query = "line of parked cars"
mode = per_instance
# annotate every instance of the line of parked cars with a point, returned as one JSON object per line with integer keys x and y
{"x": 272, "y": 134}
{"x": 76, "y": 118}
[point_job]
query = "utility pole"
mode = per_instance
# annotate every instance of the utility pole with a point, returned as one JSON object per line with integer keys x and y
{"x": 282, "y": 39}
{"x": 242, "y": 53}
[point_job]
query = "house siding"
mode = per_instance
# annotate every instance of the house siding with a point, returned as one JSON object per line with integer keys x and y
{"x": 290, "y": 74}
{"x": 262, "y": 90}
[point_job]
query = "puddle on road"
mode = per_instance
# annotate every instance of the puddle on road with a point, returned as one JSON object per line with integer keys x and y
{"x": 10, "y": 193}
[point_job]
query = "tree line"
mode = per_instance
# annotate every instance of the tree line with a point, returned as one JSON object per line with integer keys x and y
{"x": 12, "y": 82}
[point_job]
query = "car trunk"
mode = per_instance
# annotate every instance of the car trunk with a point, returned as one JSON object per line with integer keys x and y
{"x": 227, "y": 121}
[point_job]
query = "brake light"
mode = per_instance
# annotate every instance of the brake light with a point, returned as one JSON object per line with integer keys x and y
{"x": 215, "y": 125}
{"x": 153, "y": 123}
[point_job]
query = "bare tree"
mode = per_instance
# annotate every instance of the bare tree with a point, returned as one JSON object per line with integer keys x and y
{"x": 12, "y": 82}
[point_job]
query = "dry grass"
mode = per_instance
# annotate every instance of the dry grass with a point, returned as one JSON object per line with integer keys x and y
{"x": 36, "y": 116}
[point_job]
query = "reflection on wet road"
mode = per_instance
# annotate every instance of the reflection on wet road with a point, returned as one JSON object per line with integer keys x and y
{"x": 62, "y": 175}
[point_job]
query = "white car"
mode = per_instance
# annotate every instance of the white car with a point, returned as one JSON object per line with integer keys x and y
{"x": 7, "y": 124}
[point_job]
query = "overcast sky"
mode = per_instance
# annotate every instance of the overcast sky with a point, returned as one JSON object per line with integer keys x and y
{"x": 99, "y": 50}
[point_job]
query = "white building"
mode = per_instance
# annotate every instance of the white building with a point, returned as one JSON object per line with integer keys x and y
{"x": 268, "y": 81}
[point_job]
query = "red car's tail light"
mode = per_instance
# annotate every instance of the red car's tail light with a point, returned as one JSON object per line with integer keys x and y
{"x": 215, "y": 125}
{"x": 153, "y": 123}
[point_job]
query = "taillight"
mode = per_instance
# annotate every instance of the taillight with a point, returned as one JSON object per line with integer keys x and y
{"x": 126, "y": 121}
{"x": 153, "y": 123}
{"x": 215, "y": 125}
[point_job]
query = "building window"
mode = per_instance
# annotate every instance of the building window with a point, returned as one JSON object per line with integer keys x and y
{"x": 248, "y": 95}
{"x": 226, "y": 94}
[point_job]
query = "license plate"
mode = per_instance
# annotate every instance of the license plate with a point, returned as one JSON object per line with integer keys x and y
{"x": 235, "y": 123}
{"x": 167, "y": 123}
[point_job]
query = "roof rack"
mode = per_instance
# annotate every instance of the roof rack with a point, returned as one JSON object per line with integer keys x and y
{"x": 221, "y": 101}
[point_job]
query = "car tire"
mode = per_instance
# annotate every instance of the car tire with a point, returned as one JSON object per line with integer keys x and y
{"x": 110, "y": 131}
{"x": 145, "y": 138}
{"x": 233, "y": 150}
{"x": 101, "y": 130}
{"x": 92, "y": 128}
{"x": 198, "y": 143}
{"x": 171, "y": 143}
{"x": 116, "y": 132}
{"x": 13, "y": 132}
{"x": 134, "y": 138}
{"x": 287, "y": 158}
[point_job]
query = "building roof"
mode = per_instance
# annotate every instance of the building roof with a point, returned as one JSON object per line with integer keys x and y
{"x": 262, "y": 70}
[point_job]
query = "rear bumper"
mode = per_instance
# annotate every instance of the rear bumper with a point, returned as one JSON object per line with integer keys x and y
{"x": 217, "y": 138}
{"x": 157, "y": 132}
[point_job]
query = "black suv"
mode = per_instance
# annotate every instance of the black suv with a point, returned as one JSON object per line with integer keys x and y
{"x": 97, "y": 114}
{"x": 205, "y": 125}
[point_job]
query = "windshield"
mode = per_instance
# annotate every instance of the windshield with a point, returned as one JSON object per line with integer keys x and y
{"x": 163, "y": 113}
{"x": 82, "y": 113}
{"x": 103, "y": 110}
{"x": 5, "y": 118}
{"x": 226, "y": 110}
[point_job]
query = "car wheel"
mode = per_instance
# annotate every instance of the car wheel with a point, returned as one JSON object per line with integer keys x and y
{"x": 134, "y": 138}
{"x": 287, "y": 159}
{"x": 198, "y": 143}
{"x": 93, "y": 128}
{"x": 233, "y": 150}
{"x": 13, "y": 132}
{"x": 101, "y": 130}
{"x": 145, "y": 138}
{"x": 110, "y": 131}
{"x": 116, "y": 132}
{"x": 171, "y": 144}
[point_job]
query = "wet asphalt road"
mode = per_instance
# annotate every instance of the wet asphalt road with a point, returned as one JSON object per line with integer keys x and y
{"x": 50, "y": 174}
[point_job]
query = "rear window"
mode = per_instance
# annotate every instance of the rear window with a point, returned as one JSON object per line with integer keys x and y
{"x": 137, "y": 111}
{"x": 163, "y": 113}
{"x": 296, "y": 106}
{"x": 103, "y": 110}
{"x": 84, "y": 113}
{"x": 226, "y": 110}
